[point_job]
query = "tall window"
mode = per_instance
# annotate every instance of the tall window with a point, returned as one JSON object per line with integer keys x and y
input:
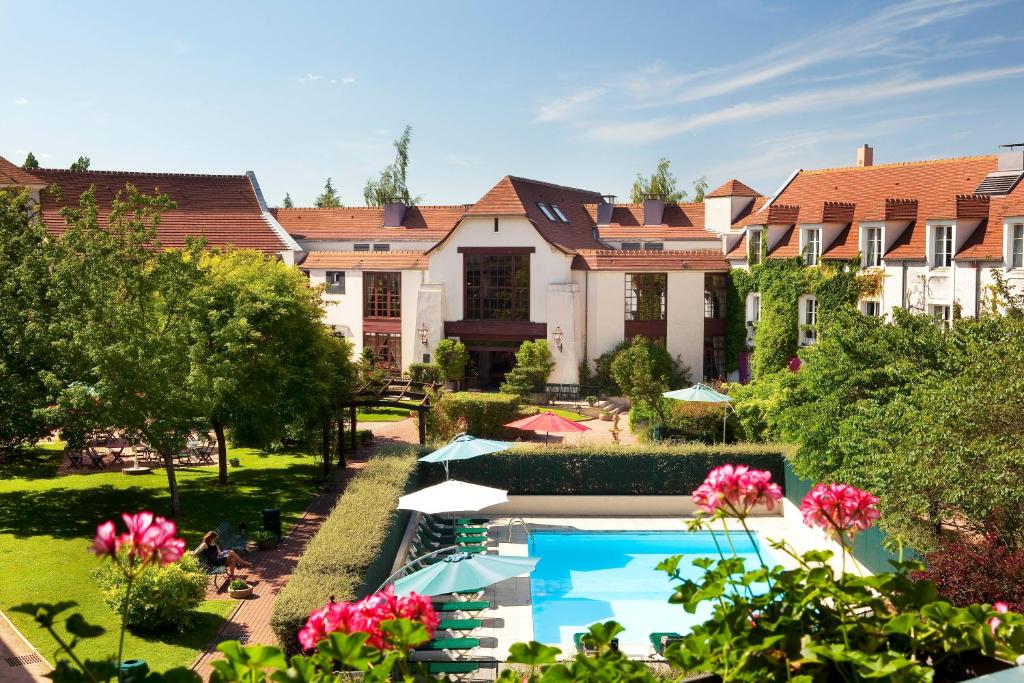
{"x": 716, "y": 288}
{"x": 812, "y": 246}
{"x": 942, "y": 246}
{"x": 871, "y": 308}
{"x": 809, "y": 320}
{"x": 335, "y": 282}
{"x": 872, "y": 247}
{"x": 754, "y": 246}
{"x": 646, "y": 296}
{"x": 497, "y": 287}
{"x": 942, "y": 315}
{"x": 1017, "y": 246}
{"x": 382, "y": 295}
{"x": 755, "y": 308}
{"x": 386, "y": 348}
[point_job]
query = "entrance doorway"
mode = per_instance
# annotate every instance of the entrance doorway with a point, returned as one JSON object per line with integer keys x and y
{"x": 488, "y": 365}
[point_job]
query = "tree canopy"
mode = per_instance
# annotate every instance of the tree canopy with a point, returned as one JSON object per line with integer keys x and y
{"x": 288, "y": 203}
{"x": 390, "y": 185}
{"x": 644, "y": 370}
{"x": 328, "y": 199}
{"x": 664, "y": 184}
{"x": 81, "y": 164}
{"x": 30, "y": 161}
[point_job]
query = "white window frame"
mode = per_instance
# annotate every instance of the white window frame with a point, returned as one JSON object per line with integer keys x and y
{"x": 808, "y": 316}
{"x": 547, "y": 212}
{"x": 1016, "y": 246}
{"x": 868, "y": 242}
{"x": 335, "y": 280}
{"x": 866, "y": 305}
{"x": 811, "y": 247}
{"x": 753, "y": 315}
{"x": 942, "y": 314}
{"x": 754, "y": 256}
{"x": 941, "y": 238}
{"x": 558, "y": 212}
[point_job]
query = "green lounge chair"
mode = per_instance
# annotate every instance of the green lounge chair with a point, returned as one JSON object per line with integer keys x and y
{"x": 460, "y": 624}
{"x": 577, "y": 640}
{"x": 662, "y": 640}
{"x": 421, "y": 547}
{"x": 468, "y": 606}
{"x": 450, "y": 644}
{"x": 458, "y": 538}
{"x": 456, "y": 669}
{"x": 447, "y": 524}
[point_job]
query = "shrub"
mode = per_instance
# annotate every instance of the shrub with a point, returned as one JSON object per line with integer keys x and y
{"x": 683, "y": 419}
{"x": 234, "y": 462}
{"x": 451, "y": 356}
{"x": 365, "y": 436}
{"x": 603, "y": 371}
{"x": 986, "y": 571}
{"x": 591, "y": 401}
{"x": 425, "y": 372}
{"x": 482, "y": 415}
{"x": 163, "y": 598}
{"x": 532, "y": 369}
{"x": 645, "y": 370}
{"x": 352, "y": 552}
{"x": 238, "y": 585}
{"x": 651, "y": 470}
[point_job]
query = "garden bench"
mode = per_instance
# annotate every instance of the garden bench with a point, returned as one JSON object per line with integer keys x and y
{"x": 214, "y": 572}
{"x": 227, "y": 539}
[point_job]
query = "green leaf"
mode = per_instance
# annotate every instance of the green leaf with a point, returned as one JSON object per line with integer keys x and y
{"x": 533, "y": 654}
{"x": 77, "y": 625}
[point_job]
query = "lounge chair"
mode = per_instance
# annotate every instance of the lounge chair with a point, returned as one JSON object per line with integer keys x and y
{"x": 422, "y": 547}
{"x": 583, "y": 647}
{"x": 460, "y": 624}
{"x": 439, "y": 523}
{"x": 662, "y": 640}
{"x": 444, "y": 537}
{"x": 450, "y": 645}
{"x": 467, "y": 606}
{"x": 457, "y": 669}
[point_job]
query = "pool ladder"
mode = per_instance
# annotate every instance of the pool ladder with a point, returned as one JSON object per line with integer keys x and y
{"x": 521, "y": 521}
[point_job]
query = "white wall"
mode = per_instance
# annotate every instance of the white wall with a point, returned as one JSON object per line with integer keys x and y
{"x": 344, "y": 311}
{"x": 685, "y": 300}
{"x": 412, "y": 347}
{"x": 563, "y": 302}
{"x": 606, "y": 311}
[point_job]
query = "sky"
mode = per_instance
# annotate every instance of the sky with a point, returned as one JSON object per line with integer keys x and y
{"x": 584, "y": 94}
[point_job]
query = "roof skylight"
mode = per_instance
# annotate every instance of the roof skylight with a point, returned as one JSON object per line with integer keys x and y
{"x": 547, "y": 211}
{"x": 558, "y": 212}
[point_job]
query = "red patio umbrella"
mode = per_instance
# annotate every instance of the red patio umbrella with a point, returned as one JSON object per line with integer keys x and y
{"x": 547, "y": 422}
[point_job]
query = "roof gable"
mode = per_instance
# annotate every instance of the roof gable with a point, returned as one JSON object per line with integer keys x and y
{"x": 733, "y": 188}
{"x": 15, "y": 175}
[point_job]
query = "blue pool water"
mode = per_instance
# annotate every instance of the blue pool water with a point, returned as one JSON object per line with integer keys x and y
{"x": 587, "y": 577}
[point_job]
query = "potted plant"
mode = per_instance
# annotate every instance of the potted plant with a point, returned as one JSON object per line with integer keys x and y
{"x": 264, "y": 540}
{"x": 239, "y": 589}
{"x": 591, "y": 400}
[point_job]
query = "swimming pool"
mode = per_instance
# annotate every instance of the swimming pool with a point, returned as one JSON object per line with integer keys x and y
{"x": 593, "y": 576}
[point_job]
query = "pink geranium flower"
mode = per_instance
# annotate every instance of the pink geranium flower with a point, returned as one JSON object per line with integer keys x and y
{"x": 996, "y": 622}
{"x": 149, "y": 539}
{"x": 840, "y": 510}
{"x": 106, "y": 541}
{"x": 366, "y": 616}
{"x": 736, "y": 489}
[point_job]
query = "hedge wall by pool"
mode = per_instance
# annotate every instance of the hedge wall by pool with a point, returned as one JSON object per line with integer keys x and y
{"x": 354, "y": 549}
{"x": 649, "y": 470}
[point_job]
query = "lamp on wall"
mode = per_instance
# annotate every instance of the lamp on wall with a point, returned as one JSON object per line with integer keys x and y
{"x": 423, "y": 333}
{"x": 557, "y": 336}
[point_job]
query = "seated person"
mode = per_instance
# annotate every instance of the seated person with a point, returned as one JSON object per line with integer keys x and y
{"x": 210, "y": 553}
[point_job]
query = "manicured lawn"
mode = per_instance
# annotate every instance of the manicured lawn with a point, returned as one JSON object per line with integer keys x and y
{"x": 47, "y": 523}
{"x": 567, "y": 414}
{"x": 381, "y": 414}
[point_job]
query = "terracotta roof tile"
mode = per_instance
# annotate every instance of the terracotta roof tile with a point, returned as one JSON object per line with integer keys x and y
{"x": 223, "y": 208}
{"x": 734, "y": 188}
{"x": 679, "y": 222}
{"x": 650, "y": 261}
{"x": 910, "y": 245}
{"x": 363, "y": 222}
{"x": 984, "y": 244}
{"x": 365, "y": 260}
{"x": 844, "y": 246}
{"x": 788, "y": 246}
{"x": 749, "y": 216}
{"x": 739, "y": 250}
{"x": 11, "y": 174}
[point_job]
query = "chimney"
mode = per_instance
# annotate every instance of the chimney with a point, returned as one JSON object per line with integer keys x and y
{"x": 1012, "y": 159}
{"x": 654, "y": 209}
{"x": 865, "y": 156}
{"x": 394, "y": 214}
{"x": 604, "y": 209}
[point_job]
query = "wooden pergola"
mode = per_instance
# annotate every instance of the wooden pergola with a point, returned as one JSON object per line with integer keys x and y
{"x": 392, "y": 393}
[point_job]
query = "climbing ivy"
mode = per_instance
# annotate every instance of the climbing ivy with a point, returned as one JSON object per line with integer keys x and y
{"x": 781, "y": 283}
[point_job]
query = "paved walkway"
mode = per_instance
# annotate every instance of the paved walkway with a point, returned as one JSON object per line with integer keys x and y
{"x": 600, "y": 432}
{"x": 271, "y": 570}
{"x": 19, "y": 661}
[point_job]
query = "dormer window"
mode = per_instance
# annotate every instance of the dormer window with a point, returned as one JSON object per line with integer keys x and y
{"x": 654, "y": 246}
{"x": 1017, "y": 246}
{"x": 381, "y": 246}
{"x": 754, "y": 246}
{"x": 942, "y": 246}
{"x": 812, "y": 246}
{"x": 361, "y": 247}
{"x": 631, "y": 246}
{"x": 547, "y": 211}
{"x": 872, "y": 247}
{"x": 558, "y": 212}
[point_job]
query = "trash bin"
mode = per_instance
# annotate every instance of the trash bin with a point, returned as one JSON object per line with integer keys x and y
{"x": 658, "y": 433}
{"x": 272, "y": 521}
{"x": 133, "y": 670}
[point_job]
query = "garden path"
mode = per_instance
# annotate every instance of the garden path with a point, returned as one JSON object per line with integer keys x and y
{"x": 600, "y": 433}
{"x": 19, "y": 661}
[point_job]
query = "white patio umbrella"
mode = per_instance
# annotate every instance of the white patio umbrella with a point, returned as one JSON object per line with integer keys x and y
{"x": 452, "y": 496}
{"x": 702, "y": 393}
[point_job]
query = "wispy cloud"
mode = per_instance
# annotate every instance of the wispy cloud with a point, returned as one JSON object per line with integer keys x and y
{"x": 308, "y": 78}
{"x": 20, "y": 101}
{"x": 830, "y": 98}
{"x": 566, "y": 107}
{"x": 348, "y": 79}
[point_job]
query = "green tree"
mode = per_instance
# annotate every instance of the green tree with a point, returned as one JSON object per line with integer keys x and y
{"x": 328, "y": 199}
{"x": 264, "y": 340}
{"x": 451, "y": 356}
{"x": 645, "y": 370}
{"x": 663, "y": 183}
{"x": 532, "y": 369}
{"x": 129, "y": 324}
{"x": 26, "y": 310}
{"x": 700, "y": 188}
{"x": 288, "y": 203}
{"x": 391, "y": 186}
{"x": 30, "y": 161}
{"x": 82, "y": 164}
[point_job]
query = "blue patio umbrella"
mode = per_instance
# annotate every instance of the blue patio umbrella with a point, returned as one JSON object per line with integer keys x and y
{"x": 464, "y": 572}
{"x": 464, "y": 447}
{"x": 702, "y": 393}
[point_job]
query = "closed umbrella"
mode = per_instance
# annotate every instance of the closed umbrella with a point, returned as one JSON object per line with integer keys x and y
{"x": 463, "y": 572}
{"x": 702, "y": 393}
{"x": 464, "y": 447}
{"x": 452, "y": 496}
{"x": 547, "y": 422}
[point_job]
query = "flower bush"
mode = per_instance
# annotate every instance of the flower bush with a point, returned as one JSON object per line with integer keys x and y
{"x": 369, "y": 616}
{"x": 986, "y": 570}
{"x": 167, "y": 597}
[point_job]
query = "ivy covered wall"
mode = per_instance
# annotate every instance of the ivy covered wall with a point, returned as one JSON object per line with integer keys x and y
{"x": 781, "y": 283}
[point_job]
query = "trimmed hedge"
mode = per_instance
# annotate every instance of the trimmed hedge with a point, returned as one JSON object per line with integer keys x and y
{"x": 647, "y": 470}
{"x": 354, "y": 549}
{"x": 485, "y": 415}
{"x": 425, "y": 372}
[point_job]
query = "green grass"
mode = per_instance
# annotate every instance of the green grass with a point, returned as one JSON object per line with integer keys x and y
{"x": 47, "y": 523}
{"x": 567, "y": 414}
{"x": 381, "y": 414}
